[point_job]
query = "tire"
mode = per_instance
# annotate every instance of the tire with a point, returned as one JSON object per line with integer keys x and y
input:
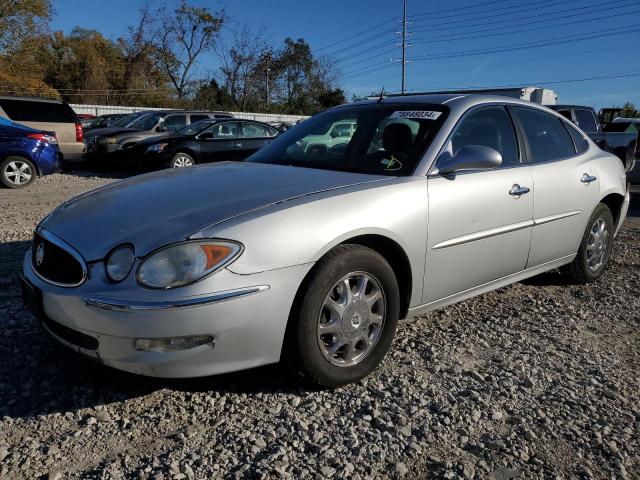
{"x": 595, "y": 248}
{"x": 311, "y": 348}
{"x": 181, "y": 160}
{"x": 17, "y": 172}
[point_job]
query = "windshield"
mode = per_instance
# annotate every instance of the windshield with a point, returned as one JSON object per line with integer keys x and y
{"x": 196, "y": 127}
{"x": 376, "y": 139}
{"x": 126, "y": 120}
{"x": 145, "y": 122}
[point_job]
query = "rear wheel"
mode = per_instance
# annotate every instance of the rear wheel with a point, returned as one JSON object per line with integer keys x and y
{"x": 181, "y": 160}
{"x": 347, "y": 317}
{"x": 17, "y": 172}
{"x": 595, "y": 248}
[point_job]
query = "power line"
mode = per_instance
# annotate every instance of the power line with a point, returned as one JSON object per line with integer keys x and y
{"x": 522, "y": 46}
{"x": 441, "y": 39}
{"x": 356, "y": 35}
{"x": 509, "y": 10}
{"x": 539, "y": 44}
{"x": 440, "y": 26}
{"x": 546, "y": 82}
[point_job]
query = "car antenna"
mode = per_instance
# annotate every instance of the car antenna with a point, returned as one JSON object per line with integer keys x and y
{"x": 381, "y": 95}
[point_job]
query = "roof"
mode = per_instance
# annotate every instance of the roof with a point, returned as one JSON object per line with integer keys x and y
{"x": 38, "y": 99}
{"x": 558, "y": 107}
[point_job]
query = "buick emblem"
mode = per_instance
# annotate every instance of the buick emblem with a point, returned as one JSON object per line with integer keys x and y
{"x": 40, "y": 254}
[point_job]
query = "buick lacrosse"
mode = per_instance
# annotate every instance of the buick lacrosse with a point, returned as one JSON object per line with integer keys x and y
{"x": 312, "y": 249}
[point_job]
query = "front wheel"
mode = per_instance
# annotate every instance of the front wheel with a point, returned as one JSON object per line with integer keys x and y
{"x": 347, "y": 316}
{"x": 17, "y": 172}
{"x": 595, "y": 248}
{"x": 181, "y": 160}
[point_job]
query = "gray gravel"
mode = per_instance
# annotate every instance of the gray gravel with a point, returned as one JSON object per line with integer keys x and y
{"x": 537, "y": 380}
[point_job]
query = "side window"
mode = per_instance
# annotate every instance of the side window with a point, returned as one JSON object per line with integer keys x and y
{"x": 197, "y": 118}
{"x": 34, "y": 111}
{"x": 586, "y": 121}
{"x": 175, "y": 122}
{"x": 254, "y": 130}
{"x": 566, "y": 114}
{"x": 222, "y": 131}
{"x": 547, "y": 138}
{"x": 581, "y": 143}
{"x": 490, "y": 127}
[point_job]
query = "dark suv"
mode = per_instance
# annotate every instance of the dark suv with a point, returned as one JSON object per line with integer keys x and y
{"x": 114, "y": 142}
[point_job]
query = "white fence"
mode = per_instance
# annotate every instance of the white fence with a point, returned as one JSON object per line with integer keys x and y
{"x": 262, "y": 117}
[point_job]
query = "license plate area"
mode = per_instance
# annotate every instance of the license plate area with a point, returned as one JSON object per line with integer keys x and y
{"x": 32, "y": 297}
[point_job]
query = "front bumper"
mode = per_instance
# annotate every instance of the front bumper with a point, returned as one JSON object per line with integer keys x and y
{"x": 247, "y": 317}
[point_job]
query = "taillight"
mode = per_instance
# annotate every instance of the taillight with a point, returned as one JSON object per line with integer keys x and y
{"x": 79, "y": 133}
{"x": 42, "y": 137}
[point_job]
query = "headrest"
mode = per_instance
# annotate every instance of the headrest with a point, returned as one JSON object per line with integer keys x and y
{"x": 397, "y": 138}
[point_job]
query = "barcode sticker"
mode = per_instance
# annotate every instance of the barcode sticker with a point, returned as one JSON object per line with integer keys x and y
{"x": 424, "y": 114}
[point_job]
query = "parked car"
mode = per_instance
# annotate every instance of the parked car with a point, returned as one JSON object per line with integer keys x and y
{"x": 102, "y": 121}
{"x": 48, "y": 116}
{"x": 203, "y": 142}
{"x": 329, "y": 137}
{"x": 113, "y": 143}
{"x": 312, "y": 256}
{"x": 628, "y": 125}
{"x": 623, "y": 145}
{"x": 26, "y": 154}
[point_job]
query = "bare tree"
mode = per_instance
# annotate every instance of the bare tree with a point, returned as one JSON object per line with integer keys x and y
{"x": 243, "y": 67}
{"x": 182, "y": 36}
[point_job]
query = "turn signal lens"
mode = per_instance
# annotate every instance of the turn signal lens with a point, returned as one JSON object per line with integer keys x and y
{"x": 185, "y": 263}
{"x": 119, "y": 263}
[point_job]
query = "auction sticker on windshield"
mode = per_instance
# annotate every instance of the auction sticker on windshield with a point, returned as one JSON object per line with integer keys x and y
{"x": 424, "y": 114}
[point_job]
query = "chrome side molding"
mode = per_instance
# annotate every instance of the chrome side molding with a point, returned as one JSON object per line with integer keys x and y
{"x": 133, "y": 306}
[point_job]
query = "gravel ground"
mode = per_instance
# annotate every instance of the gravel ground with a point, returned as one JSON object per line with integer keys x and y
{"x": 537, "y": 380}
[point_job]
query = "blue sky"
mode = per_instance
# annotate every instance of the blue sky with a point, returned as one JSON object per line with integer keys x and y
{"x": 455, "y": 44}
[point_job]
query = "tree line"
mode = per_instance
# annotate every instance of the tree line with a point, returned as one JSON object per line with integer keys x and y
{"x": 158, "y": 62}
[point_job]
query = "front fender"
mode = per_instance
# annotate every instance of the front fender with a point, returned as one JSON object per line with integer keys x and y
{"x": 302, "y": 230}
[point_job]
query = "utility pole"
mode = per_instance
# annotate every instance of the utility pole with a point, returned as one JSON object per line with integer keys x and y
{"x": 404, "y": 42}
{"x": 267, "y": 78}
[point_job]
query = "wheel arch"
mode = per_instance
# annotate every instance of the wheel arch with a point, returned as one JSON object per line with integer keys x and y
{"x": 20, "y": 154}
{"x": 614, "y": 201}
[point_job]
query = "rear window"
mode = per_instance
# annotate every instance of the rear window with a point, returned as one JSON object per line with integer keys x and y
{"x": 34, "y": 111}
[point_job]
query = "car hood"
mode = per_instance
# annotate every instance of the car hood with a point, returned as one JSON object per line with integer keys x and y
{"x": 109, "y": 131}
{"x": 163, "y": 207}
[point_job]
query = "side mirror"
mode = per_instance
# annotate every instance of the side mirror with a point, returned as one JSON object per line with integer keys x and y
{"x": 206, "y": 136}
{"x": 472, "y": 157}
{"x": 161, "y": 128}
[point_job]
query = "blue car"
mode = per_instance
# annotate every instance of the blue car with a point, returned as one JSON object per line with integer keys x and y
{"x": 26, "y": 153}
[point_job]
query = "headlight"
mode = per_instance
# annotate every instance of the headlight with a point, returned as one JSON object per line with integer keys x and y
{"x": 185, "y": 263}
{"x": 108, "y": 140}
{"x": 157, "y": 147}
{"x": 119, "y": 263}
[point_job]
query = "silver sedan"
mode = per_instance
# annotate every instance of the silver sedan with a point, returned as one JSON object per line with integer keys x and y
{"x": 311, "y": 255}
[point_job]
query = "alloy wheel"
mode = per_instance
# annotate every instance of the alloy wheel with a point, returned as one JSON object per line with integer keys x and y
{"x": 351, "y": 319}
{"x": 597, "y": 244}
{"x": 182, "y": 161}
{"x": 18, "y": 172}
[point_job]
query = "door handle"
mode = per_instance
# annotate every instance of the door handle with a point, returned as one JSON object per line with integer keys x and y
{"x": 236, "y": 145}
{"x": 586, "y": 178}
{"x": 517, "y": 190}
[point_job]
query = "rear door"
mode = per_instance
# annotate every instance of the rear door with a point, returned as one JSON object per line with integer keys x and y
{"x": 254, "y": 137}
{"x": 565, "y": 181}
{"x": 220, "y": 142}
{"x": 479, "y": 226}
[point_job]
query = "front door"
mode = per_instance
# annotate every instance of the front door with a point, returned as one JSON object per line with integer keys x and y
{"x": 220, "y": 142}
{"x": 479, "y": 221}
